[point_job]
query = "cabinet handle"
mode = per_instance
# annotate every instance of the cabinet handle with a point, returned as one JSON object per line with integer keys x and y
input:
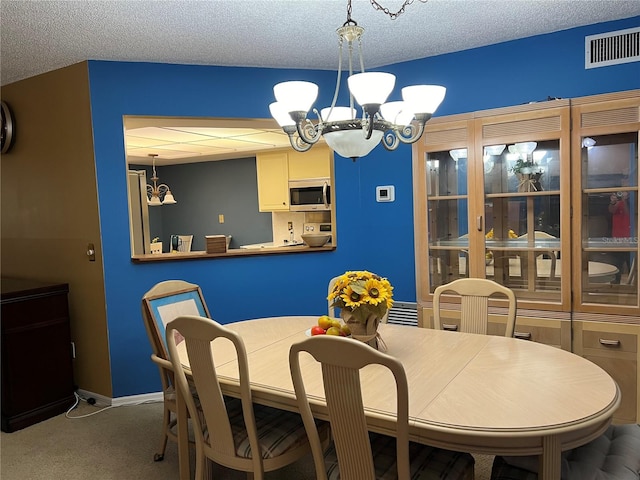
{"x": 610, "y": 343}
{"x": 522, "y": 335}
{"x": 451, "y": 328}
{"x": 479, "y": 223}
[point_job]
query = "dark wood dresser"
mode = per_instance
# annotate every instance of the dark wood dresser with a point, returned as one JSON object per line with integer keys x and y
{"x": 37, "y": 364}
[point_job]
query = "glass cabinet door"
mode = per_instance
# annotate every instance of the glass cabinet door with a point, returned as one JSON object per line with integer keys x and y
{"x": 522, "y": 217}
{"x": 447, "y": 215}
{"x": 609, "y": 203}
{"x": 489, "y": 202}
{"x": 605, "y": 163}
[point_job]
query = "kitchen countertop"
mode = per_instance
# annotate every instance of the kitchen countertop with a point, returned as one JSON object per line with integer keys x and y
{"x": 234, "y": 252}
{"x": 271, "y": 245}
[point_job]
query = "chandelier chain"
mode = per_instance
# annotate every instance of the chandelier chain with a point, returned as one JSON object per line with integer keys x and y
{"x": 386, "y": 11}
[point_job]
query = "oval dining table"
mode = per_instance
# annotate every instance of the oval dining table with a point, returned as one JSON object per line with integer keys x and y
{"x": 467, "y": 392}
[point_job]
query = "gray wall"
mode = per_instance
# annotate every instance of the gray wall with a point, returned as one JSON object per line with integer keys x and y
{"x": 204, "y": 191}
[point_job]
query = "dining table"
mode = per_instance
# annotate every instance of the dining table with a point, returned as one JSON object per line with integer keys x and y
{"x": 467, "y": 392}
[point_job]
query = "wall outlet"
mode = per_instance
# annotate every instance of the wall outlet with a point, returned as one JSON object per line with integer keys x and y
{"x": 221, "y": 218}
{"x": 289, "y": 225}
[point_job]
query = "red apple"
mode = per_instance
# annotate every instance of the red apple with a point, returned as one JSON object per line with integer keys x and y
{"x": 316, "y": 330}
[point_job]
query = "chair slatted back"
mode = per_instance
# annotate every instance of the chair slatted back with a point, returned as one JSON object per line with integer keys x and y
{"x": 474, "y": 308}
{"x": 198, "y": 333}
{"x": 341, "y": 360}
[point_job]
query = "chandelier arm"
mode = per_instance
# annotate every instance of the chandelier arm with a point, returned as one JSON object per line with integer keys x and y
{"x": 308, "y": 132}
{"x": 390, "y": 140}
{"x": 296, "y": 142}
{"x": 411, "y": 133}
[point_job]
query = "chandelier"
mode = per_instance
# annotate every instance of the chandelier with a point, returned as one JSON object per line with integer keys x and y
{"x": 158, "y": 194}
{"x": 347, "y": 133}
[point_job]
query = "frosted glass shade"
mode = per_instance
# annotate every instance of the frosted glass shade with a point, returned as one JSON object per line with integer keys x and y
{"x": 296, "y": 96}
{"x": 524, "y": 148}
{"x": 154, "y": 201}
{"x": 494, "y": 149}
{"x": 168, "y": 199}
{"x": 371, "y": 87}
{"x": 281, "y": 114}
{"x": 423, "y": 98}
{"x": 352, "y": 143}
{"x": 396, "y": 113}
{"x": 458, "y": 153}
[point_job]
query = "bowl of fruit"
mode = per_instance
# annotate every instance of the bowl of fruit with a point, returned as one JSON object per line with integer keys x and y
{"x": 329, "y": 326}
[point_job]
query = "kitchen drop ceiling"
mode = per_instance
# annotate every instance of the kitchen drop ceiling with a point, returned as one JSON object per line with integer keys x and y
{"x": 190, "y": 140}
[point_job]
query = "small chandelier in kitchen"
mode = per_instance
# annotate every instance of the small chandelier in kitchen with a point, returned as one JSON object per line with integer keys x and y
{"x": 344, "y": 131}
{"x": 158, "y": 194}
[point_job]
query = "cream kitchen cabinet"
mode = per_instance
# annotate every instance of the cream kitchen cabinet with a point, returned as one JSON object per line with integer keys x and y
{"x": 275, "y": 169}
{"x": 315, "y": 163}
{"x": 273, "y": 181}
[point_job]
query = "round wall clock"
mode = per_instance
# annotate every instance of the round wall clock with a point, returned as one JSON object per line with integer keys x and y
{"x": 6, "y": 129}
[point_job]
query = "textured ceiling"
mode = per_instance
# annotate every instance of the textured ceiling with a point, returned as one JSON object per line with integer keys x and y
{"x": 39, "y": 36}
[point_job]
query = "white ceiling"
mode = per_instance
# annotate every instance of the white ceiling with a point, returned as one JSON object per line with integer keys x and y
{"x": 37, "y": 36}
{"x": 188, "y": 140}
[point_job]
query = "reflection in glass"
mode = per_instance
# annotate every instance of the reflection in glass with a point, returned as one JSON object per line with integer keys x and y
{"x": 446, "y": 176}
{"x": 447, "y": 212}
{"x": 610, "y": 212}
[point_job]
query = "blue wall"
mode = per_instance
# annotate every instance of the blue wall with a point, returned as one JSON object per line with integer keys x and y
{"x": 373, "y": 236}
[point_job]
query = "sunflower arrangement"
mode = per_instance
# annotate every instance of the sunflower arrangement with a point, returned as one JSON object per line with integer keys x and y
{"x": 363, "y": 294}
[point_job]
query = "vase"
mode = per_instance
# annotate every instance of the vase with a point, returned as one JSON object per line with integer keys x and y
{"x": 366, "y": 332}
{"x": 529, "y": 182}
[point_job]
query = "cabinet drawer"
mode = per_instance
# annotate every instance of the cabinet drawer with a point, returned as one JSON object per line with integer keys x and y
{"x": 610, "y": 341}
{"x": 546, "y": 335}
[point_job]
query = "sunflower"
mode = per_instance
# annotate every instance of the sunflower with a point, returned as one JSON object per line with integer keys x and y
{"x": 363, "y": 293}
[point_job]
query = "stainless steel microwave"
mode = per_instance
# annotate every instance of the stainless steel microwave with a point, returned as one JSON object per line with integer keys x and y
{"x": 310, "y": 195}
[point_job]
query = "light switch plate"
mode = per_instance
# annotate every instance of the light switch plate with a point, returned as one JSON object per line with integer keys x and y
{"x": 385, "y": 193}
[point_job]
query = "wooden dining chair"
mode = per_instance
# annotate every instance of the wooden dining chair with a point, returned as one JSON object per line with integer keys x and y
{"x": 235, "y": 433}
{"x": 331, "y": 311}
{"x": 356, "y": 453}
{"x": 157, "y": 307}
{"x": 474, "y": 309}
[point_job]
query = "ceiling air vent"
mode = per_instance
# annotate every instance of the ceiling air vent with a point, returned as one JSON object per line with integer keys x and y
{"x": 612, "y": 48}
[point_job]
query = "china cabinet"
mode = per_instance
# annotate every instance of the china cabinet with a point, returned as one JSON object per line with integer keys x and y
{"x": 491, "y": 193}
{"x": 542, "y": 198}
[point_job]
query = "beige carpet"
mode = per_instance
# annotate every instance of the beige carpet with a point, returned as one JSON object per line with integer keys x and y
{"x": 116, "y": 444}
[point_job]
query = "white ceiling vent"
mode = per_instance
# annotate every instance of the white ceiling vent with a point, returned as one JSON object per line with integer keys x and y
{"x": 612, "y": 48}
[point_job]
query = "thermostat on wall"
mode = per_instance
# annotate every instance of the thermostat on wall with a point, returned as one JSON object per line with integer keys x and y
{"x": 386, "y": 193}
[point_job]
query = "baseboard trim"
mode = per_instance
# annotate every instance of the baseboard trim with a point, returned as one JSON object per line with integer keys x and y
{"x": 101, "y": 400}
